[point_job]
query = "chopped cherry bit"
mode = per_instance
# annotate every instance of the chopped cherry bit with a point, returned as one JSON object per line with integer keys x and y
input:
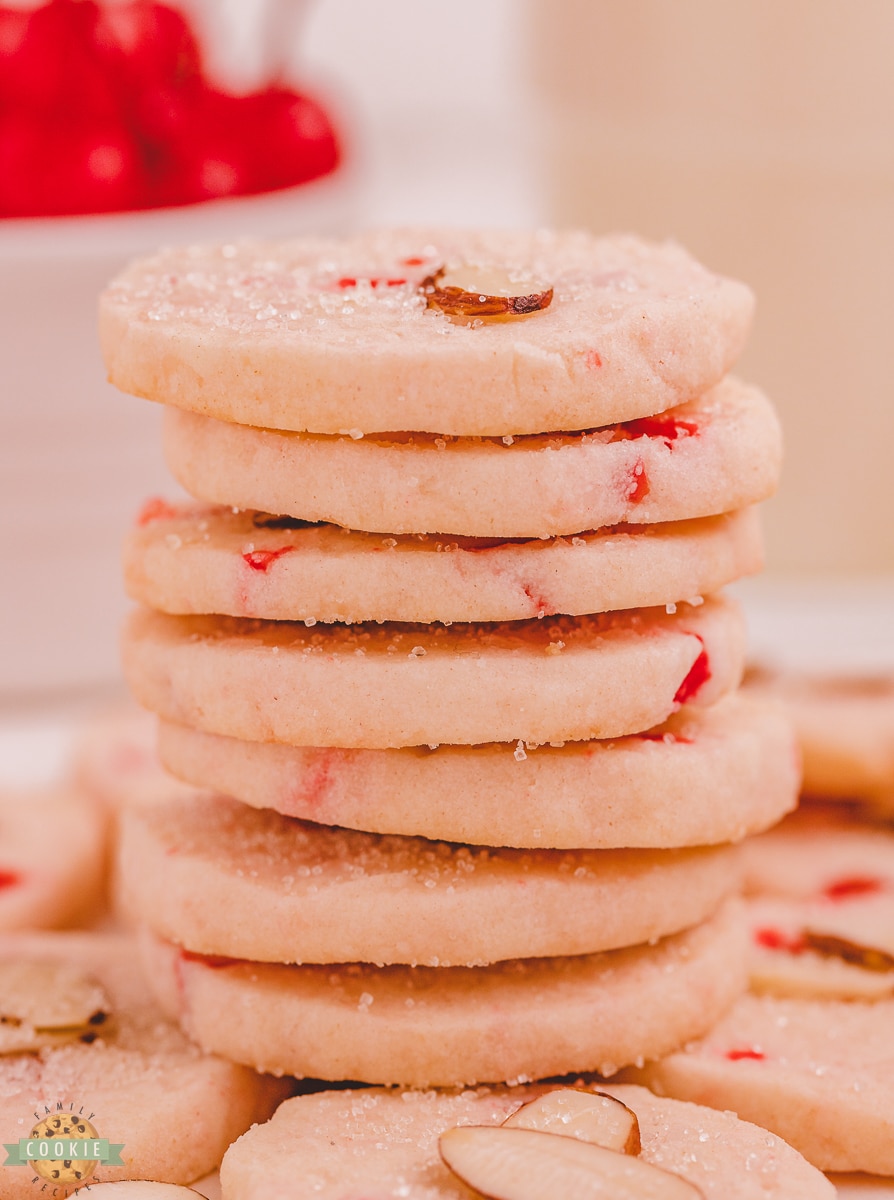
{"x": 775, "y": 939}
{"x": 698, "y": 676}
{"x": 214, "y": 961}
{"x": 349, "y": 281}
{"x": 260, "y": 560}
{"x": 669, "y": 739}
{"x": 853, "y": 885}
{"x": 9, "y": 879}
{"x": 638, "y": 482}
{"x": 668, "y": 428}
{"x": 747, "y": 1052}
{"x": 593, "y": 359}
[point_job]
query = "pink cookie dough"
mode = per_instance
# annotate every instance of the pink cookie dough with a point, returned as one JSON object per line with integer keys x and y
{"x": 846, "y": 729}
{"x": 378, "y": 686}
{"x": 384, "y": 1144}
{"x": 193, "y": 558}
{"x": 333, "y": 336}
{"x": 115, "y": 762}
{"x": 440, "y": 1026}
{"x": 708, "y": 775}
{"x": 174, "y": 1108}
{"x": 712, "y": 455}
{"x": 819, "y": 1073}
{"x": 53, "y": 849}
{"x": 220, "y": 878}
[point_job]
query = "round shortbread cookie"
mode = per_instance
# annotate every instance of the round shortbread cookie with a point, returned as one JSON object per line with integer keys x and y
{"x": 52, "y": 859}
{"x": 220, "y": 878}
{"x": 195, "y": 559}
{"x": 331, "y": 336}
{"x": 822, "y": 917}
{"x": 376, "y": 686}
{"x": 821, "y": 856}
{"x": 814, "y": 949}
{"x": 115, "y": 760}
{"x": 712, "y": 455}
{"x": 343, "y": 1144}
{"x": 708, "y": 775}
{"x": 440, "y": 1026}
{"x": 815, "y": 1072}
{"x": 174, "y": 1109}
{"x": 846, "y": 730}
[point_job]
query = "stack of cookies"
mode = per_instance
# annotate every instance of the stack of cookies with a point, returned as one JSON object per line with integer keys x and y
{"x": 441, "y": 646}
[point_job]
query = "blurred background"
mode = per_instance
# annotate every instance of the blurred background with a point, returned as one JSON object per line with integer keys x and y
{"x": 759, "y": 134}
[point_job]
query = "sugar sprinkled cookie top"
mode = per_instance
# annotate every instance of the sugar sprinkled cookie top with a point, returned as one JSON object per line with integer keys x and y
{"x": 339, "y": 336}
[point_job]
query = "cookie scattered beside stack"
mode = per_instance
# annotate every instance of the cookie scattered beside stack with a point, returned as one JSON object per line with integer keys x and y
{"x": 808, "y": 1051}
{"x": 499, "y": 652}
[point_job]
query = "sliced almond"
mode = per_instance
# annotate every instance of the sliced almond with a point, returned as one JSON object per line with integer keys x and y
{"x": 810, "y": 975}
{"x": 479, "y": 291}
{"x": 588, "y": 1116}
{"x": 43, "y": 1003}
{"x": 524, "y": 1164}
{"x": 869, "y": 958}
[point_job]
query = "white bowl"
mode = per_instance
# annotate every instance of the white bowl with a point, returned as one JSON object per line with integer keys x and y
{"x": 78, "y": 458}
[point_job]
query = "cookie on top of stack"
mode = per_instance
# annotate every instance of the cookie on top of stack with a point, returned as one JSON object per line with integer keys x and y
{"x": 445, "y": 622}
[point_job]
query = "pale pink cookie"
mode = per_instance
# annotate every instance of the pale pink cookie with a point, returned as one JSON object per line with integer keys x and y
{"x": 439, "y": 1026}
{"x": 378, "y": 686}
{"x": 336, "y": 336}
{"x": 817, "y": 949}
{"x": 822, "y": 917}
{"x": 712, "y": 455}
{"x": 819, "y": 1073}
{"x": 343, "y": 1144}
{"x": 115, "y": 760}
{"x": 220, "y": 878}
{"x": 846, "y": 729}
{"x": 52, "y": 859}
{"x": 823, "y": 857}
{"x": 708, "y": 775}
{"x": 199, "y": 559}
{"x": 174, "y": 1109}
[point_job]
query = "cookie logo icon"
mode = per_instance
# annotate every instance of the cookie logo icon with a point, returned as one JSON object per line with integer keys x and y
{"x": 68, "y": 1130}
{"x": 63, "y": 1149}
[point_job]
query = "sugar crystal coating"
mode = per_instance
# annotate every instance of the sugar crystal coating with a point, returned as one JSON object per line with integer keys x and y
{"x": 339, "y": 338}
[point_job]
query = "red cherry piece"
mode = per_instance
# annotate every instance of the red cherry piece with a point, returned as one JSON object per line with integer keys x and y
{"x": 668, "y": 428}
{"x": 853, "y": 885}
{"x": 638, "y": 482}
{"x": 593, "y": 359}
{"x": 747, "y": 1052}
{"x": 775, "y": 939}
{"x": 542, "y": 606}
{"x": 9, "y": 879}
{"x": 699, "y": 674}
{"x": 215, "y": 961}
{"x": 669, "y": 739}
{"x": 261, "y": 560}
